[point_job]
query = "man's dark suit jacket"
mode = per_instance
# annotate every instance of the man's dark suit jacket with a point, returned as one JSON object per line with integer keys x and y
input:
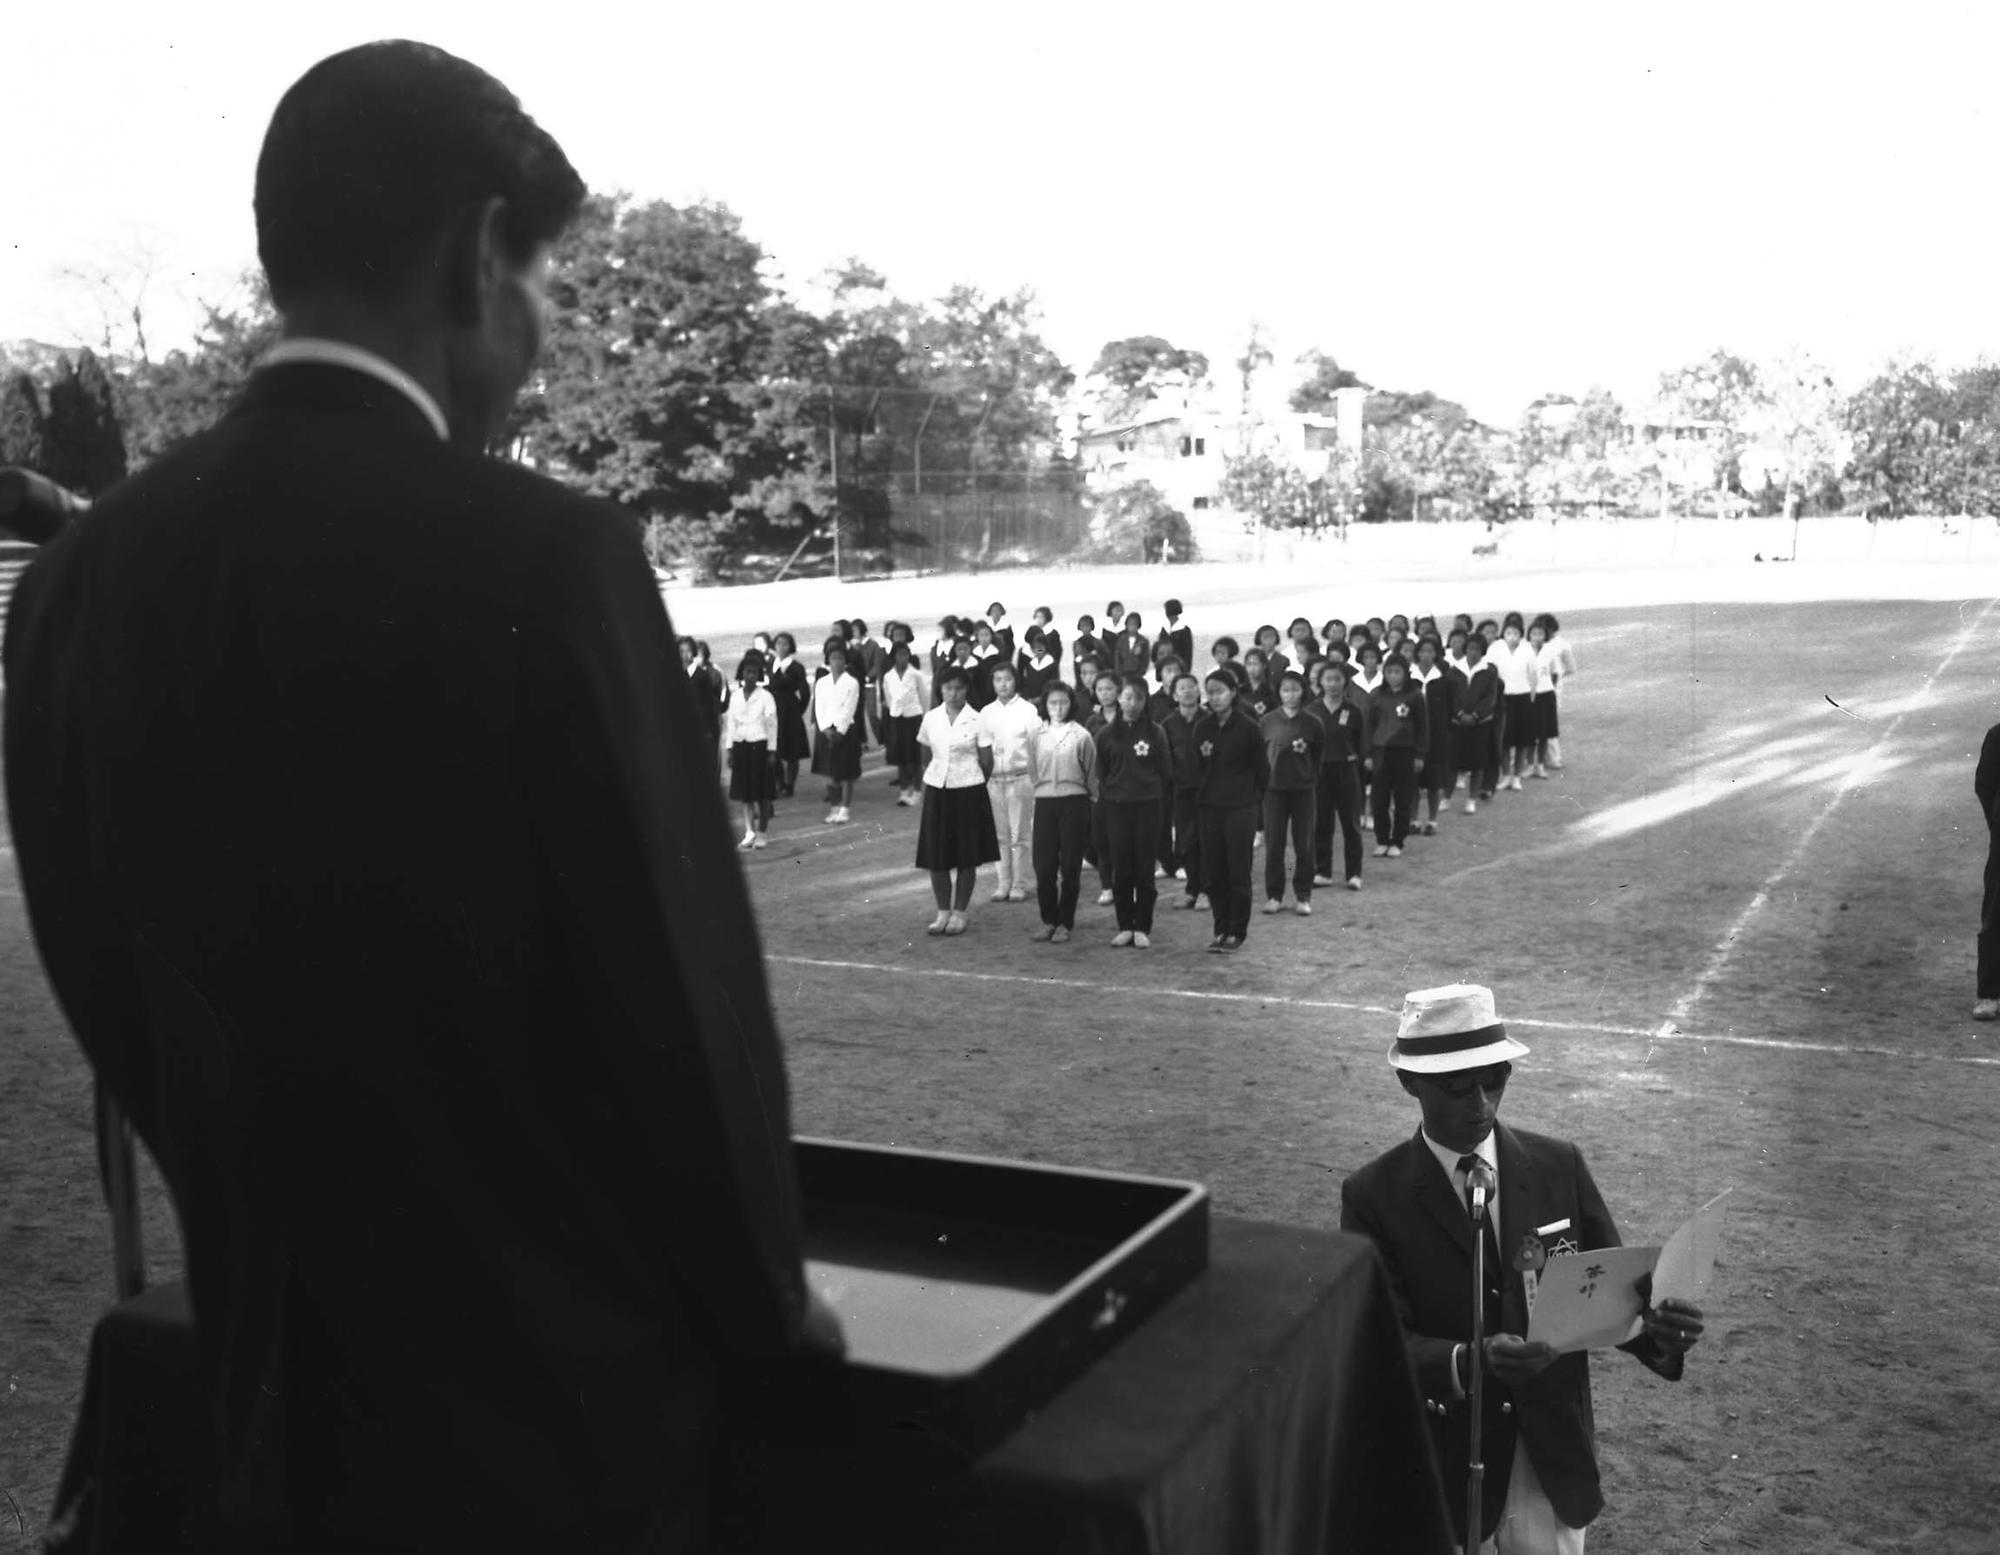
{"x": 374, "y": 853}
{"x": 1408, "y": 1207}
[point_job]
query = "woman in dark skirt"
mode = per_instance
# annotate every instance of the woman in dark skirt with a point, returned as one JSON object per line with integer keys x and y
{"x": 793, "y": 693}
{"x": 905, "y": 699}
{"x": 750, "y": 731}
{"x": 837, "y": 732}
{"x": 956, "y": 834}
{"x": 1548, "y": 728}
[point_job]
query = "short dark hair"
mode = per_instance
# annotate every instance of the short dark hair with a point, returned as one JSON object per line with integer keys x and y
{"x": 1173, "y": 607}
{"x": 376, "y": 152}
{"x": 1226, "y": 643}
{"x": 950, "y": 673}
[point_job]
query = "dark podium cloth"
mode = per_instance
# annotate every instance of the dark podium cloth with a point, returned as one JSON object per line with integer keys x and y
{"x": 1267, "y": 1409}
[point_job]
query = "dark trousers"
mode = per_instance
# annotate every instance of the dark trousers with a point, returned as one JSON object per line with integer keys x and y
{"x": 1496, "y": 731}
{"x": 1989, "y": 924}
{"x": 1395, "y": 792}
{"x": 1227, "y": 835}
{"x": 1288, "y": 808}
{"x": 1187, "y": 839}
{"x": 1166, "y": 844}
{"x": 1338, "y": 796}
{"x": 1132, "y": 833}
{"x": 1099, "y": 852}
{"x": 1062, "y": 827}
{"x": 1435, "y": 781}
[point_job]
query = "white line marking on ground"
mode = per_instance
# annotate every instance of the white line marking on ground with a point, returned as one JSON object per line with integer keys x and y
{"x": 1867, "y": 766}
{"x": 1632, "y": 1033}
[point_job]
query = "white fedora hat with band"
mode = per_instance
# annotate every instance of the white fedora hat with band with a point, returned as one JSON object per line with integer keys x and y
{"x": 1443, "y": 1030}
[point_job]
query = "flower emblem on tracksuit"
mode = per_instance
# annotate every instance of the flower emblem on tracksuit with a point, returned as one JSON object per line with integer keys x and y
{"x": 1207, "y": 748}
{"x": 1142, "y": 748}
{"x": 1402, "y": 710}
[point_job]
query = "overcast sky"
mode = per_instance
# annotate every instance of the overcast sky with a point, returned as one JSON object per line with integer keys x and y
{"x": 1490, "y": 201}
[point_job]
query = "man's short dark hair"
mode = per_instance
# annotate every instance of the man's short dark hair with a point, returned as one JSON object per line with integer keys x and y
{"x": 376, "y": 152}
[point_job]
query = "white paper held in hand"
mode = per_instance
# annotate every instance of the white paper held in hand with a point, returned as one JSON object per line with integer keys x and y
{"x": 1590, "y": 1300}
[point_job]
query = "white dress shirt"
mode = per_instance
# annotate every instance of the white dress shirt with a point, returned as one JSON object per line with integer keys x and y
{"x": 954, "y": 748}
{"x": 904, "y": 695}
{"x": 836, "y": 699}
{"x": 1004, "y": 728}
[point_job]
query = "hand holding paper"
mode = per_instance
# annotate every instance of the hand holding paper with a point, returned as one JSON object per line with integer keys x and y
{"x": 1593, "y": 1300}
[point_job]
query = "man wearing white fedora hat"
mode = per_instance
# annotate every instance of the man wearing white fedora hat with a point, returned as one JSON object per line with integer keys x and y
{"x": 1541, "y": 1482}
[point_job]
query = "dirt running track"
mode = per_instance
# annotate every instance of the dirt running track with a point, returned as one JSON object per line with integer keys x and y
{"x": 1736, "y": 933}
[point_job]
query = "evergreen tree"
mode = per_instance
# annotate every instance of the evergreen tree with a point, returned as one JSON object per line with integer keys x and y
{"x": 22, "y": 423}
{"x": 85, "y": 446}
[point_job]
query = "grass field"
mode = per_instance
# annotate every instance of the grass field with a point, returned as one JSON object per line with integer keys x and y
{"x": 1736, "y": 933}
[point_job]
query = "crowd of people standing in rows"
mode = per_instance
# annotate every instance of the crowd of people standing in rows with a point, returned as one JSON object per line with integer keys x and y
{"x": 1137, "y": 766}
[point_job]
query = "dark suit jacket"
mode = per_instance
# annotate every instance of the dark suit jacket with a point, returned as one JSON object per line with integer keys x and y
{"x": 372, "y": 848}
{"x": 1404, "y": 1203}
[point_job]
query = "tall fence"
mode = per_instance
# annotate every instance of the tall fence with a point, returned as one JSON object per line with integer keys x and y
{"x": 969, "y": 522}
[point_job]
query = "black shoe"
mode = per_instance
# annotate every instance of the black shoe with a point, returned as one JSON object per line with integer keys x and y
{"x": 1219, "y": 943}
{"x": 1232, "y": 942}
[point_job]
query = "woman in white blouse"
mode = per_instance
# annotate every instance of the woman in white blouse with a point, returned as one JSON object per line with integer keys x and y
{"x": 956, "y": 834}
{"x": 750, "y": 731}
{"x": 1519, "y": 680}
{"x": 905, "y": 698}
{"x": 836, "y": 704}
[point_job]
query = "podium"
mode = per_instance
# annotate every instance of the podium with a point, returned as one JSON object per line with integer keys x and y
{"x": 1266, "y": 1404}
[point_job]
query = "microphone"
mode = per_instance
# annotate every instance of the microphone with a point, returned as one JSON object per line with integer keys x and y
{"x": 1480, "y": 1182}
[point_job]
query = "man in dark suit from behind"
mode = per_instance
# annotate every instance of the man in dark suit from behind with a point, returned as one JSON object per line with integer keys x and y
{"x": 371, "y": 849}
{"x": 1540, "y": 1489}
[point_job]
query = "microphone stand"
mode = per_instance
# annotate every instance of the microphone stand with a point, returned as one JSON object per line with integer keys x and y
{"x": 1475, "y": 1479}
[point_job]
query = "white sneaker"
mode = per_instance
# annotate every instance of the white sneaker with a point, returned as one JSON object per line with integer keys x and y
{"x": 1141, "y": 941}
{"x": 1381, "y": 850}
{"x": 1121, "y": 939}
{"x": 1274, "y": 905}
{"x": 1104, "y": 898}
{"x": 760, "y": 841}
{"x": 1018, "y": 894}
{"x": 1322, "y": 880}
{"x": 1986, "y": 1009}
{"x": 748, "y": 838}
{"x": 1180, "y": 874}
{"x": 841, "y": 817}
{"x": 999, "y": 895}
{"x": 1514, "y": 784}
{"x": 1303, "y": 909}
{"x": 1394, "y": 851}
{"x": 1354, "y": 882}
{"x": 1472, "y": 807}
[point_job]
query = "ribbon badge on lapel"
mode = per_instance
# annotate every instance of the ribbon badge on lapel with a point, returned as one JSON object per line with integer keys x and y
{"x": 1529, "y": 1257}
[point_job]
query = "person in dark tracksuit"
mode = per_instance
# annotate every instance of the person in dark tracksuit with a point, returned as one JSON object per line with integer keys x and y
{"x": 1179, "y": 725}
{"x": 1338, "y": 792}
{"x": 1062, "y": 760}
{"x": 1234, "y": 772}
{"x": 1167, "y": 668}
{"x": 1398, "y": 737}
{"x": 1293, "y": 740}
{"x": 1134, "y": 778}
{"x": 1440, "y": 690}
{"x": 1104, "y": 691}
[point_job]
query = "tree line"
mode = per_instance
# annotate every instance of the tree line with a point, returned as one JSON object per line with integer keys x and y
{"x": 681, "y": 381}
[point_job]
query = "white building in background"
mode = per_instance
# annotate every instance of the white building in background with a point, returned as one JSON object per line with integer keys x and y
{"x": 1181, "y": 438}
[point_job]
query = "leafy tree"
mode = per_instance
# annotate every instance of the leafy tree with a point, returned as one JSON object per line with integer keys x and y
{"x": 1139, "y": 360}
{"x": 188, "y": 392}
{"x": 22, "y": 422}
{"x": 1324, "y": 376}
{"x": 675, "y": 380}
{"x": 83, "y": 444}
{"x": 1276, "y": 492}
{"x": 1721, "y": 387}
{"x": 1393, "y": 407}
{"x": 1128, "y": 522}
{"x": 1796, "y": 426}
{"x": 1902, "y": 453}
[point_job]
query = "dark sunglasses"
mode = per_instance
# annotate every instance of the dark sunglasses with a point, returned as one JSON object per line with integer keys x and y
{"x": 1492, "y": 1078}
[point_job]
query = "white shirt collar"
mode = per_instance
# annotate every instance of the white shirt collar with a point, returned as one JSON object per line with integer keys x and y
{"x": 338, "y": 353}
{"x": 1487, "y": 1151}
